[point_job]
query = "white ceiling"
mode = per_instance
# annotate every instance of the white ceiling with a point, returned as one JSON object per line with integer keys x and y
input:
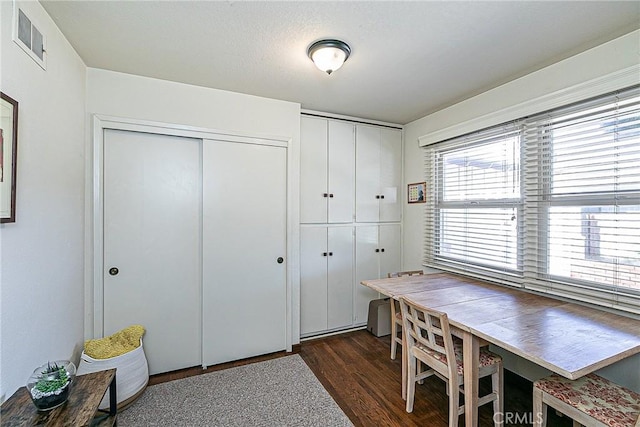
{"x": 408, "y": 58}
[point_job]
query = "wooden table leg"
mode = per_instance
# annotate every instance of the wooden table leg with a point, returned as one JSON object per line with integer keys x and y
{"x": 471, "y": 355}
{"x": 113, "y": 398}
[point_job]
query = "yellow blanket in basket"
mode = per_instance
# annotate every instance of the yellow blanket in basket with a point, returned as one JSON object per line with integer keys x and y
{"x": 119, "y": 343}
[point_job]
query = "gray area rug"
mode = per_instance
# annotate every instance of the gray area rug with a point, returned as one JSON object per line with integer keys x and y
{"x": 277, "y": 392}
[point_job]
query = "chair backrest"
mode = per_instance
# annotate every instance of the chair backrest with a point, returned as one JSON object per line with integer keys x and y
{"x": 405, "y": 273}
{"x": 427, "y": 332}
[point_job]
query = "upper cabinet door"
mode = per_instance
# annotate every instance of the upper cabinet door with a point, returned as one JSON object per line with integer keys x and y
{"x": 390, "y": 175}
{"x": 367, "y": 173}
{"x": 341, "y": 171}
{"x": 313, "y": 170}
{"x": 378, "y": 174}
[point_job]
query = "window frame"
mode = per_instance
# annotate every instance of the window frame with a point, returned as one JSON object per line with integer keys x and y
{"x": 533, "y": 270}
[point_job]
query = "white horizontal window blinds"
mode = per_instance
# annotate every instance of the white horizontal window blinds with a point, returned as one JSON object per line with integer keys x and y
{"x": 550, "y": 202}
{"x": 583, "y": 214}
{"x": 476, "y": 203}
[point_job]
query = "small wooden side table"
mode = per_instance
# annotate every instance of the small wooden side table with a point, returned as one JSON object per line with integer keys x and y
{"x": 80, "y": 409}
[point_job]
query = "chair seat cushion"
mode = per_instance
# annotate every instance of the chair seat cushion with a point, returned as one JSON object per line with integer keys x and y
{"x": 487, "y": 358}
{"x": 607, "y": 402}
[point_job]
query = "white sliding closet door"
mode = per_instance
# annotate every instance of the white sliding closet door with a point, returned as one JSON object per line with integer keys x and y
{"x": 152, "y": 207}
{"x": 243, "y": 250}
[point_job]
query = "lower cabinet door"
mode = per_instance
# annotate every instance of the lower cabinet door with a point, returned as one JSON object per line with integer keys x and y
{"x": 340, "y": 277}
{"x": 378, "y": 252}
{"x": 313, "y": 280}
{"x": 326, "y": 279}
{"x": 367, "y": 267}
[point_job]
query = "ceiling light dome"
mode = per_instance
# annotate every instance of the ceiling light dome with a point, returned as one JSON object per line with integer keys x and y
{"x": 329, "y": 54}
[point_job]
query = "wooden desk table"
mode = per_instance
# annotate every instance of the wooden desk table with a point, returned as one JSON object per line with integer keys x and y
{"x": 567, "y": 338}
{"x": 86, "y": 394}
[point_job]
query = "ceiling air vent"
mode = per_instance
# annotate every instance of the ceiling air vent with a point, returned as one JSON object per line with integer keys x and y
{"x": 28, "y": 37}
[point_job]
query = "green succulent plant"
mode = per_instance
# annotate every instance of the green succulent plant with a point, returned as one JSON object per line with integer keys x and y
{"x": 54, "y": 377}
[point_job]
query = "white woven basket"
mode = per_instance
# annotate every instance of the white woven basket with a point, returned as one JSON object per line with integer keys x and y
{"x": 132, "y": 373}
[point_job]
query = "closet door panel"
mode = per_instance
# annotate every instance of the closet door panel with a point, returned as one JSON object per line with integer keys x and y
{"x": 341, "y": 171}
{"x": 367, "y": 267}
{"x": 340, "y": 277}
{"x": 390, "y": 259}
{"x": 244, "y": 235}
{"x": 151, "y": 235}
{"x": 313, "y": 279}
{"x": 390, "y": 175}
{"x": 313, "y": 170}
{"x": 367, "y": 173}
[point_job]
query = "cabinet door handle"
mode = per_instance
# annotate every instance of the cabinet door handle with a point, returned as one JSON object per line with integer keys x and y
{"x": 330, "y": 253}
{"x": 330, "y": 194}
{"x": 377, "y": 196}
{"x": 382, "y": 250}
{"x": 377, "y": 250}
{"x": 382, "y": 196}
{"x": 324, "y": 254}
{"x": 325, "y": 194}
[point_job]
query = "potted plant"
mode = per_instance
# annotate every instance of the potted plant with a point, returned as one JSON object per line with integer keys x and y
{"x": 50, "y": 384}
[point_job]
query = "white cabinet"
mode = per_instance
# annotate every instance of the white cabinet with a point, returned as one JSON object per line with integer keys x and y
{"x": 378, "y": 174}
{"x": 326, "y": 278}
{"x": 350, "y": 213}
{"x": 378, "y": 252}
{"x": 327, "y": 171}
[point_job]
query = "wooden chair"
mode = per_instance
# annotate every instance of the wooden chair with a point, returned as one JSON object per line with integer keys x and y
{"x": 396, "y": 316}
{"x": 429, "y": 341}
{"x": 590, "y": 401}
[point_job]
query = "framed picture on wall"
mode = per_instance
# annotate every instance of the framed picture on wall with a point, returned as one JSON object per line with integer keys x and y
{"x": 8, "y": 157}
{"x": 417, "y": 192}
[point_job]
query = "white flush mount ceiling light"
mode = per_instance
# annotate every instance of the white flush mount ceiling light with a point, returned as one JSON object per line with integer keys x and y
{"x": 329, "y": 54}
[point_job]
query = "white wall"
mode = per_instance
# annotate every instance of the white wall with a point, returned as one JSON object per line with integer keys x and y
{"x": 41, "y": 295}
{"x": 602, "y": 60}
{"x": 129, "y": 96}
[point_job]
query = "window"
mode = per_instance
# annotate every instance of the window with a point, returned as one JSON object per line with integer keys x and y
{"x": 549, "y": 202}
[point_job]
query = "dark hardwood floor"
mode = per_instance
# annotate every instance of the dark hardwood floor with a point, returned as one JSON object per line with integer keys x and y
{"x": 358, "y": 373}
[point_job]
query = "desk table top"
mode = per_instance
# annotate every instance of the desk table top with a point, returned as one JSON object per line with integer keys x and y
{"x": 567, "y": 338}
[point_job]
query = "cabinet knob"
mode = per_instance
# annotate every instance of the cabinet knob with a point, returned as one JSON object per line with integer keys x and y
{"x": 114, "y": 271}
{"x": 377, "y": 196}
{"x": 330, "y": 194}
{"x": 382, "y": 196}
{"x": 382, "y": 250}
{"x": 324, "y": 254}
{"x": 330, "y": 253}
{"x": 377, "y": 250}
{"x": 325, "y": 194}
